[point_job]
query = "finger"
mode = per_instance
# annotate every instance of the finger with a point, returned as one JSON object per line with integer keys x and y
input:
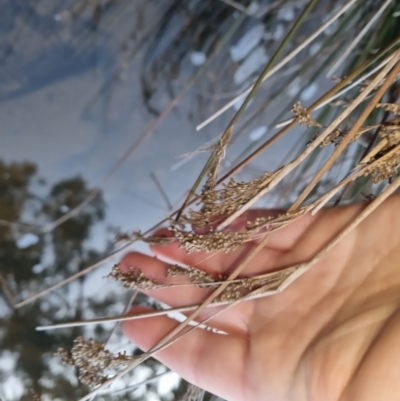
{"x": 206, "y": 359}
{"x": 155, "y": 269}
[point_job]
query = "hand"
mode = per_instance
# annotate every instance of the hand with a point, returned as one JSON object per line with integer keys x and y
{"x": 333, "y": 334}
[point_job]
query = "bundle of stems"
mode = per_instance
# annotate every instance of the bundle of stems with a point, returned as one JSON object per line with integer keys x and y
{"x": 360, "y": 115}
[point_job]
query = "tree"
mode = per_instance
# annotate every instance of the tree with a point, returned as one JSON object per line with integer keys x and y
{"x": 26, "y": 270}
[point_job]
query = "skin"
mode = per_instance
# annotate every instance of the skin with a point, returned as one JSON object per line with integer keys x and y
{"x": 332, "y": 335}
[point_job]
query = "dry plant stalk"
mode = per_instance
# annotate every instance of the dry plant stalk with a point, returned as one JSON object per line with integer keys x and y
{"x": 236, "y": 289}
{"x": 285, "y": 170}
{"x": 268, "y": 280}
{"x": 252, "y": 254}
{"x": 318, "y": 103}
{"x": 234, "y": 194}
{"x": 388, "y": 129}
{"x": 229, "y": 199}
{"x": 337, "y": 136}
{"x": 298, "y": 271}
{"x": 234, "y": 198}
{"x": 176, "y": 333}
{"x": 134, "y": 278}
{"x": 383, "y": 161}
{"x": 217, "y": 156}
{"x": 391, "y": 70}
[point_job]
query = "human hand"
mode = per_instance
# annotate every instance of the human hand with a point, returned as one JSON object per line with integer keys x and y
{"x": 332, "y": 335}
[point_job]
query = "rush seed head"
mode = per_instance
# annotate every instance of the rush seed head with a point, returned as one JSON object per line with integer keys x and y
{"x": 302, "y": 116}
{"x": 92, "y": 360}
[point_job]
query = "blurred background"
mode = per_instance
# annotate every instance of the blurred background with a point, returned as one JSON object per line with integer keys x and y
{"x": 101, "y": 99}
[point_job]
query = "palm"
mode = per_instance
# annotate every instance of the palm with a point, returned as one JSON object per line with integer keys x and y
{"x": 315, "y": 340}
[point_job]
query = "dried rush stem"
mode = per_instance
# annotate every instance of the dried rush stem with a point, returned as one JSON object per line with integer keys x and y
{"x": 339, "y": 149}
{"x": 280, "y": 64}
{"x": 300, "y": 270}
{"x": 165, "y": 341}
{"x": 267, "y": 143}
{"x": 285, "y": 170}
{"x": 213, "y": 162}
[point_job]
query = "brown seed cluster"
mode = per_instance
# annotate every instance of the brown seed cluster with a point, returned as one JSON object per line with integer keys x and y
{"x": 196, "y": 276}
{"x": 134, "y": 278}
{"x": 243, "y": 286}
{"x": 228, "y": 240}
{"x": 393, "y": 108}
{"x": 338, "y": 134}
{"x": 385, "y": 160}
{"x": 210, "y": 242}
{"x": 274, "y": 222}
{"x": 226, "y": 200}
{"x": 389, "y": 130}
{"x": 335, "y": 137}
{"x": 92, "y": 360}
{"x": 302, "y": 116}
{"x": 386, "y": 166}
{"x": 236, "y": 290}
